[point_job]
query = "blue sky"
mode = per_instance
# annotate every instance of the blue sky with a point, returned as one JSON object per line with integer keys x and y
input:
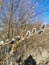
{"x": 42, "y": 7}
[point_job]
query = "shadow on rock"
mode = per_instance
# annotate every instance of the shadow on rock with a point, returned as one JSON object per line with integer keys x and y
{"x": 30, "y": 61}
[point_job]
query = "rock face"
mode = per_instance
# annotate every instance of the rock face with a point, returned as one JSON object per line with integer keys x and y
{"x": 31, "y": 51}
{"x": 40, "y": 55}
{"x": 38, "y": 47}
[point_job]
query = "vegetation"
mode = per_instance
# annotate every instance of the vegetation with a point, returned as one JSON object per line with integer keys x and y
{"x": 15, "y": 46}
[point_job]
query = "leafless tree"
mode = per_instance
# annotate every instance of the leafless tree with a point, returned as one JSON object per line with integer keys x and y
{"x": 21, "y": 10}
{"x": 16, "y": 17}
